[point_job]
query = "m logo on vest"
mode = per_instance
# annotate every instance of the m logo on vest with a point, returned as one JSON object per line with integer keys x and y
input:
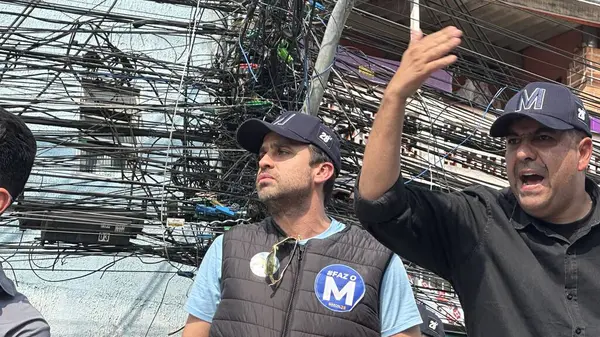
{"x": 535, "y": 100}
{"x": 339, "y": 288}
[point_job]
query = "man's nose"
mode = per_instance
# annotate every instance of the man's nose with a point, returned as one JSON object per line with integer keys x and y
{"x": 265, "y": 162}
{"x": 526, "y": 152}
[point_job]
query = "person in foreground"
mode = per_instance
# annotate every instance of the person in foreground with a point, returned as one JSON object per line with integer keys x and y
{"x": 298, "y": 272}
{"x": 17, "y": 152}
{"x": 525, "y": 260}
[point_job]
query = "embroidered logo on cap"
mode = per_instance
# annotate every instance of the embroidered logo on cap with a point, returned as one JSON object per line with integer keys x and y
{"x": 535, "y": 100}
{"x": 282, "y": 120}
{"x": 581, "y": 113}
{"x": 325, "y": 137}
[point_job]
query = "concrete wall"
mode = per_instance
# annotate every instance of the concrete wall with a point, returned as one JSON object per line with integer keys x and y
{"x": 121, "y": 302}
{"x": 551, "y": 64}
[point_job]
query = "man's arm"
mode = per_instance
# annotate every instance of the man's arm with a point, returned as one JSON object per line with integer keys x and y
{"x": 398, "y": 308}
{"x": 432, "y": 229}
{"x": 195, "y": 327}
{"x": 412, "y": 332}
{"x": 381, "y": 164}
{"x": 205, "y": 294}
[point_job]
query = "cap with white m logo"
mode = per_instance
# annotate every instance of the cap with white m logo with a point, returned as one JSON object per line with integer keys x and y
{"x": 553, "y": 105}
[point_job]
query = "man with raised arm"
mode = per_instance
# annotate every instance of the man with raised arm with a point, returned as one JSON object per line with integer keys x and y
{"x": 525, "y": 260}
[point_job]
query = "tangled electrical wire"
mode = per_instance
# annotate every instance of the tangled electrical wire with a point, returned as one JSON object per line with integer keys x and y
{"x": 135, "y": 113}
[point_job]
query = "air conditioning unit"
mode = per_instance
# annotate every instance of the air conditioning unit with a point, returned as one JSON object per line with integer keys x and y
{"x": 84, "y": 227}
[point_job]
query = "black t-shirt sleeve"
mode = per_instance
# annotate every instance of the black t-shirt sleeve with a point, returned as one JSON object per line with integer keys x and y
{"x": 435, "y": 230}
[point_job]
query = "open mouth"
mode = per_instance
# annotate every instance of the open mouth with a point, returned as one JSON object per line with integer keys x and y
{"x": 530, "y": 179}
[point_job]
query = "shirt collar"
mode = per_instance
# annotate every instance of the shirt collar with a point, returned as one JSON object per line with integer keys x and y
{"x": 334, "y": 227}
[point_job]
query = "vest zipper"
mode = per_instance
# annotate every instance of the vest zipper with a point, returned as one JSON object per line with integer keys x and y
{"x": 288, "y": 314}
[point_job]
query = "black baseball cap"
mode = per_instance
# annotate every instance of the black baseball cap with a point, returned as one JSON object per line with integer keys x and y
{"x": 552, "y": 105}
{"x": 432, "y": 325}
{"x": 294, "y": 125}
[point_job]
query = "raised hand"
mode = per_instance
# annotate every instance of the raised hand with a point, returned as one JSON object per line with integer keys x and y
{"x": 424, "y": 56}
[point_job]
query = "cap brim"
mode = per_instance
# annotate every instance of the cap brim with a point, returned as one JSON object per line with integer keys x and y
{"x": 251, "y": 133}
{"x": 500, "y": 127}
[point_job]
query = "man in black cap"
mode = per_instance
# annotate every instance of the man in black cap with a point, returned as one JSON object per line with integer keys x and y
{"x": 298, "y": 272}
{"x": 525, "y": 260}
{"x": 432, "y": 325}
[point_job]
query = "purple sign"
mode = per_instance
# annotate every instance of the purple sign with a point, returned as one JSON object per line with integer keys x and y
{"x": 595, "y": 124}
{"x": 380, "y": 71}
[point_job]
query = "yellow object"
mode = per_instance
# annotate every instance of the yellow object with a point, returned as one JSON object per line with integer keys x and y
{"x": 366, "y": 71}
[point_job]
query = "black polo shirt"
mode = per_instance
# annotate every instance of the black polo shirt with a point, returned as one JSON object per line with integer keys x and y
{"x": 514, "y": 276}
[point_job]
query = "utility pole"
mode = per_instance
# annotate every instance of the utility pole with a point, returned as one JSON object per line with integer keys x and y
{"x": 329, "y": 45}
{"x": 415, "y": 15}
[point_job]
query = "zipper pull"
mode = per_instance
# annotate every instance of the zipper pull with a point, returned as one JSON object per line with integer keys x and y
{"x": 300, "y": 248}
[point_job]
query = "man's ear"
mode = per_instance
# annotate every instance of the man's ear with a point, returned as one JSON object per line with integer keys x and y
{"x": 5, "y": 199}
{"x": 586, "y": 148}
{"x": 326, "y": 171}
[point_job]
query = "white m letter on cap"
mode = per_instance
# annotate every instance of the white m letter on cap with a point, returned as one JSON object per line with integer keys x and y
{"x": 535, "y": 100}
{"x": 282, "y": 121}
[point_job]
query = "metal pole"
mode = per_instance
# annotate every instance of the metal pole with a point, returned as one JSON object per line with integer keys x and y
{"x": 323, "y": 66}
{"x": 415, "y": 17}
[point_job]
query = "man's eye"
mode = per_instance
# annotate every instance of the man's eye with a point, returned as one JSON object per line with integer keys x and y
{"x": 512, "y": 141}
{"x": 544, "y": 137}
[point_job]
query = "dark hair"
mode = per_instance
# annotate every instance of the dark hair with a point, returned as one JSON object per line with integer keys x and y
{"x": 17, "y": 153}
{"x": 577, "y": 135}
{"x": 318, "y": 156}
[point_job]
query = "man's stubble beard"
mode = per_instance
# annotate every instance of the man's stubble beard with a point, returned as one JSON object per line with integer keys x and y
{"x": 285, "y": 201}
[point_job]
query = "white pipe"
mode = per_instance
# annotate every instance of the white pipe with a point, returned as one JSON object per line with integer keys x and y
{"x": 415, "y": 17}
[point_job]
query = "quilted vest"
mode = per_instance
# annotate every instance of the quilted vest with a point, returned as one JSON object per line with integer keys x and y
{"x": 330, "y": 287}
